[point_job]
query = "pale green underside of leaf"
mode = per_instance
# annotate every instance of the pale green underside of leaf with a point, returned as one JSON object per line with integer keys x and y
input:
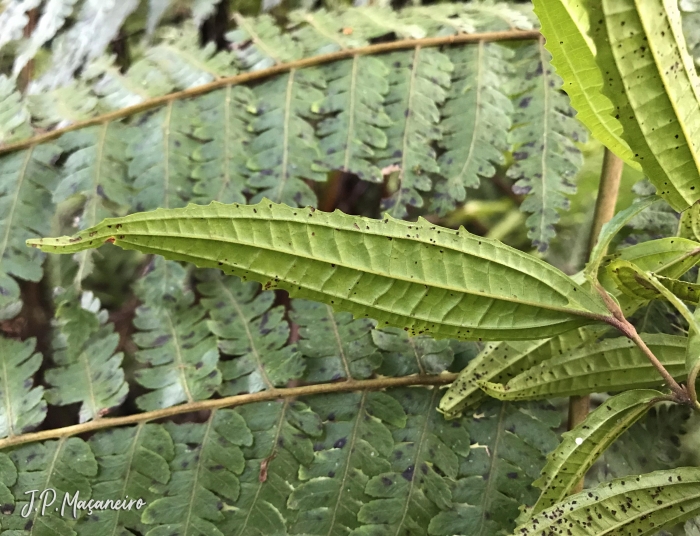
{"x": 565, "y": 25}
{"x": 608, "y": 365}
{"x": 625, "y": 277}
{"x": 475, "y": 292}
{"x": 641, "y": 505}
{"x": 581, "y": 446}
{"x": 651, "y": 80}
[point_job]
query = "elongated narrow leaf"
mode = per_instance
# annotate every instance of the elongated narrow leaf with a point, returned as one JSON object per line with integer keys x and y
{"x": 360, "y": 265}
{"x": 628, "y": 279}
{"x": 610, "y": 229}
{"x": 259, "y": 42}
{"x": 565, "y": 24}
{"x": 641, "y": 505}
{"x": 501, "y": 361}
{"x": 689, "y": 224}
{"x": 581, "y": 446}
{"x": 321, "y": 31}
{"x": 251, "y": 330}
{"x": 22, "y": 407}
{"x": 609, "y": 365}
{"x": 14, "y": 116}
{"x": 651, "y": 80}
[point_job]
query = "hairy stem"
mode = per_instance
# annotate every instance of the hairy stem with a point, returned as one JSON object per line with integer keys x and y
{"x": 609, "y": 185}
{"x": 231, "y": 401}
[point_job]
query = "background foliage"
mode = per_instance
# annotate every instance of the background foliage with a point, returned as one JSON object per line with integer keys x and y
{"x": 93, "y": 124}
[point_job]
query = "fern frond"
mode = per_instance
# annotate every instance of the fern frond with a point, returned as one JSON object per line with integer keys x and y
{"x": 417, "y": 83}
{"x": 204, "y": 478}
{"x": 283, "y": 435}
{"x": 96, "y": 170}
{"x": 63, "y": 106}
{"x": 251, "y": 330}
{"x": 440, "y": 19}
{"x": 321, "y": 32}
{"x": 546, "y": 157}
{"x": 26, "y": 181}
{"x": 89, "y": 371}
{"x": 371, "y": 22}
{"x": 354, "y": 97}
{"x": 284, "y": 150}
{"x": 492, "y": 15}
{"x": 131, "y": 463}
{"x": 13, "y": 19}
{"x": 509, "y": 444}
{"x": 97, "y": 24}
{"x": 160, "y": 156}
{"x": 424, "y": 464}
{"x": 187, "y": 64}
{"x": 335, "y": 345}
{"x": 174, "y": 340}
{"x": 53, "y": 16}
{"x": 404, "y": 355}
{"x": 14, "y": 115}
{"x": 220, "y": 162}
{"x": 22, "y": 407}
{"x": 259, "y": 43}
{"x": 65, "y": 466}
{"x": 477, "y": 118}
{"x": 117, "y": 90}
{"x": 354, "y": 448}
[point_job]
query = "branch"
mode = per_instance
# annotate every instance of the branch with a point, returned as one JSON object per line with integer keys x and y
{"x": 511, "y": 35}
{"x": 228, "y": 402}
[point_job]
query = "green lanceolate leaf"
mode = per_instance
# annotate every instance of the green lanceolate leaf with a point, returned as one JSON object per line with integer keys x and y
{"x": 608, "y": 365}
{"x": 669, "y": 257}
{"x": 689, "y": 224}
{"x": 22, "y": 406}
{"x": 641, "y": 505}
{"x": 565, "y": 24}
{"x": 610, "y": 229}
{"x": 501, "y": 361}
{"x": 581, "y": 446}
{"x": 651, "y": 81}
{"x": 632, "y": 282}
{"x": 362, "y": 266}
